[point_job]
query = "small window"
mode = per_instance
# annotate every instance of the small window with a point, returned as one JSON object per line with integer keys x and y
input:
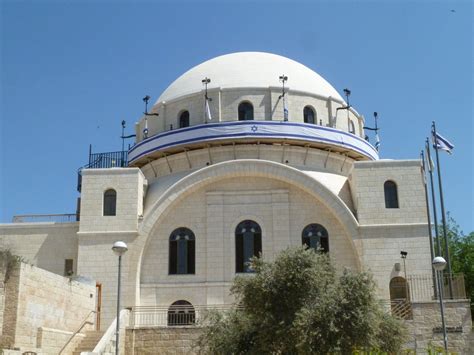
{"x": 245, "y": 111}
{"x": 391, "y": 194}
{"x": 181, "y": 313}
{"x": 182, "y": 252}
{"x": 248, "y": 243}
{"x": 68, "y": 267}
{"x": 352, "y": 127}
{"x": 315, "y": 236}
{"x": 184, "y": 119}
{"x": 110, "y": 202}
{"x": 309, "y": 115}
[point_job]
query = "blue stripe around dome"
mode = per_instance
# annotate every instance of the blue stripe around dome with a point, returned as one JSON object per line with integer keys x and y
{"x": 252, "y": 129}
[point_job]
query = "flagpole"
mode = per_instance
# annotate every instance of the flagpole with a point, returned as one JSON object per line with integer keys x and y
{"x": 430, "y": 232}
{"x": 443, "y": 214}
{"x": 433, "y": 198}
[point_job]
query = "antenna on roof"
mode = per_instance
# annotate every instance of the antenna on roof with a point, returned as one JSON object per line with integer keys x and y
{"x": 283, "y": 79}
{"x": 347, "y": 92}
{"x": 376, "y": 129}
{"x": 145, "y": 130}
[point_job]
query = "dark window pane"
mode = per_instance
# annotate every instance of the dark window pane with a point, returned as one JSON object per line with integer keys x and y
{"x": 391, "y": 194}
{"x": 110, "y": 202}
{"x": 245, "y": 111}
{"x": 182, "y": 252}
{"x": 315, "y": 236}
{"x": 248, "y": 243}
{"x": 173, "y": 257}
{"x": 184, "y": 119}
{"x": 181, "y": 313}
{"x": 309, "y": 115}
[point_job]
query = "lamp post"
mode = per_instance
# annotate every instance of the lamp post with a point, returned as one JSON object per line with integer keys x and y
{"x": 119, "y": 248}
{"x": 439, "y": 264}
{"x": 404, "y": 254}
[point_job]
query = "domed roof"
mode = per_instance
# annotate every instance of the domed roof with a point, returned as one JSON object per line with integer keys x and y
{"x": 249, "y": 70}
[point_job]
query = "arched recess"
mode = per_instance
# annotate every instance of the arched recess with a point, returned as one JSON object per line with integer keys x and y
{"x": 245, "y": 167}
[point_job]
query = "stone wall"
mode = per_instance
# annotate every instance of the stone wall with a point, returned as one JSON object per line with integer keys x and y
{"x": 42, "y": 309}
{"x": 163, "y": 341}
{"x": 425, "y": 328}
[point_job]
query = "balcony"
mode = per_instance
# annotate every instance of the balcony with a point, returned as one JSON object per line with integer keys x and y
{"x": 103, "y": 161}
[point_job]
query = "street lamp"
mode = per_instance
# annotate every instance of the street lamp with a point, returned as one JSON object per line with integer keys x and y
{"x": 439, "y": 264}
{"x": 119, "y": 248}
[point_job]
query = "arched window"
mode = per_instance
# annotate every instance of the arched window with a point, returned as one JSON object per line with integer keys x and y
{"x": 181, "y": 252}
{"x": 309, "y": 115}
{"x": 184, "y": 119}
{"x": 110, "y": 202}
{"x": 391, "y": 194}
{"x": 315, "y": 236}
{"x": 248, "y": 243}
{"x": 352, "y": 127}
{"x": 181, "y": 313}
{"x": 245, "y": 111}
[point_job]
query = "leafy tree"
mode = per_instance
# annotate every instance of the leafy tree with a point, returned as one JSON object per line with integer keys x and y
{"x": 298, "y": 304}
{"x": 461, "y": 251}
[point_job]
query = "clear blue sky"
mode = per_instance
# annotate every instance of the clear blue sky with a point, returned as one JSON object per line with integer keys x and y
{"x": 71, "y": 71}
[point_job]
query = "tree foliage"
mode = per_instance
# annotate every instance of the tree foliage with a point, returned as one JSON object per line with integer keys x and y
{"x": 461, "y": 250}
{"x": 298, "y": 304}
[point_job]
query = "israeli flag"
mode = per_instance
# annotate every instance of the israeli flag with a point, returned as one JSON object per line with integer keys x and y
{"x": 442, "y": 143}
{"x": 377, "y": 141}
{"x": 208, "y": 110}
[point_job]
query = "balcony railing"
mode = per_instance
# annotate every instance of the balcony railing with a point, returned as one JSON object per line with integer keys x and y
{"x": 103, "y": 161}
{"x": 173, "y": 316}
{"x": 422, "y": 287}
{"x": 56, "y": 218}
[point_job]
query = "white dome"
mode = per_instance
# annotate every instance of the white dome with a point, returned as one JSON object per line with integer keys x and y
{"x": 249, "y": 70}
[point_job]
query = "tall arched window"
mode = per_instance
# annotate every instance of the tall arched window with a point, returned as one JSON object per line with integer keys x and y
{"x": 182, "y": 252}
{"x": 391, "y": 194}
{"x": 309, "y": 115}
{"x": 248, "y": 243}
{"x": 352, "y": 127}
{"x": 110, "y": 202}
{"x": 245, "y": 111}
{"x": 184, "y": 119}
{"x": 315, "y": 236}
{"x": 181, "y": 313}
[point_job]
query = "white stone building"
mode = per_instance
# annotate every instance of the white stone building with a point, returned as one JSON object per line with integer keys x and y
{"x": 209, "y": 185}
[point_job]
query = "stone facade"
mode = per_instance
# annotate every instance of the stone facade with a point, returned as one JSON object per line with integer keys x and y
{"x": 42, "y": 310}
{"x": 163, "y": 341}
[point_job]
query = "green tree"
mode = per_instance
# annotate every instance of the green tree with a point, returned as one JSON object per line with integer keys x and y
{"x": 461, "y": 251}
{"x": 298, "y": 304}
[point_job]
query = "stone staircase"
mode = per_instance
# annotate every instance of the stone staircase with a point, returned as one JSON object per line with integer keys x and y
{"x": 89, "y": 342}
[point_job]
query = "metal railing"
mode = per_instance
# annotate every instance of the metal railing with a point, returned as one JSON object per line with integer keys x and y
{"x": 172, "y": 316}
{"x": 422, "y": 287}
{"x": 56, "y": 218}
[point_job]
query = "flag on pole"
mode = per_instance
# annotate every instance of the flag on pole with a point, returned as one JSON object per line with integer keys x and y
{"x": 377, "y": 141}
{"x": 208, "y": 110}
{"x": 439, "y": 142}
{"x": 285, "y": 110}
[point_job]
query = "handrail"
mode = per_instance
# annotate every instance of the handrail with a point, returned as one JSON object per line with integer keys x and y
{"x": 109, "y": 333}
{"x": 84, "y": 322}
{"x": 58, "y": 218}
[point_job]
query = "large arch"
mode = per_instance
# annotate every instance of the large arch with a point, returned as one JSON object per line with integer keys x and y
{"x": 242, "y": 168}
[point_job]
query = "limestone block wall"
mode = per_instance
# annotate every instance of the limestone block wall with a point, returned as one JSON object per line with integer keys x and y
{"x": 164, "y": 341}
{"x": 380, "y": 248}
{"x": 37, "y": 298}
{"x": 129, "y": 185}
{"x": 425, "y": 328}
{"x": 213, "y": 213}
{"x": 266, "y": 102}
{"x": 367, "y": 183}
{"x": 46, "y": 245}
